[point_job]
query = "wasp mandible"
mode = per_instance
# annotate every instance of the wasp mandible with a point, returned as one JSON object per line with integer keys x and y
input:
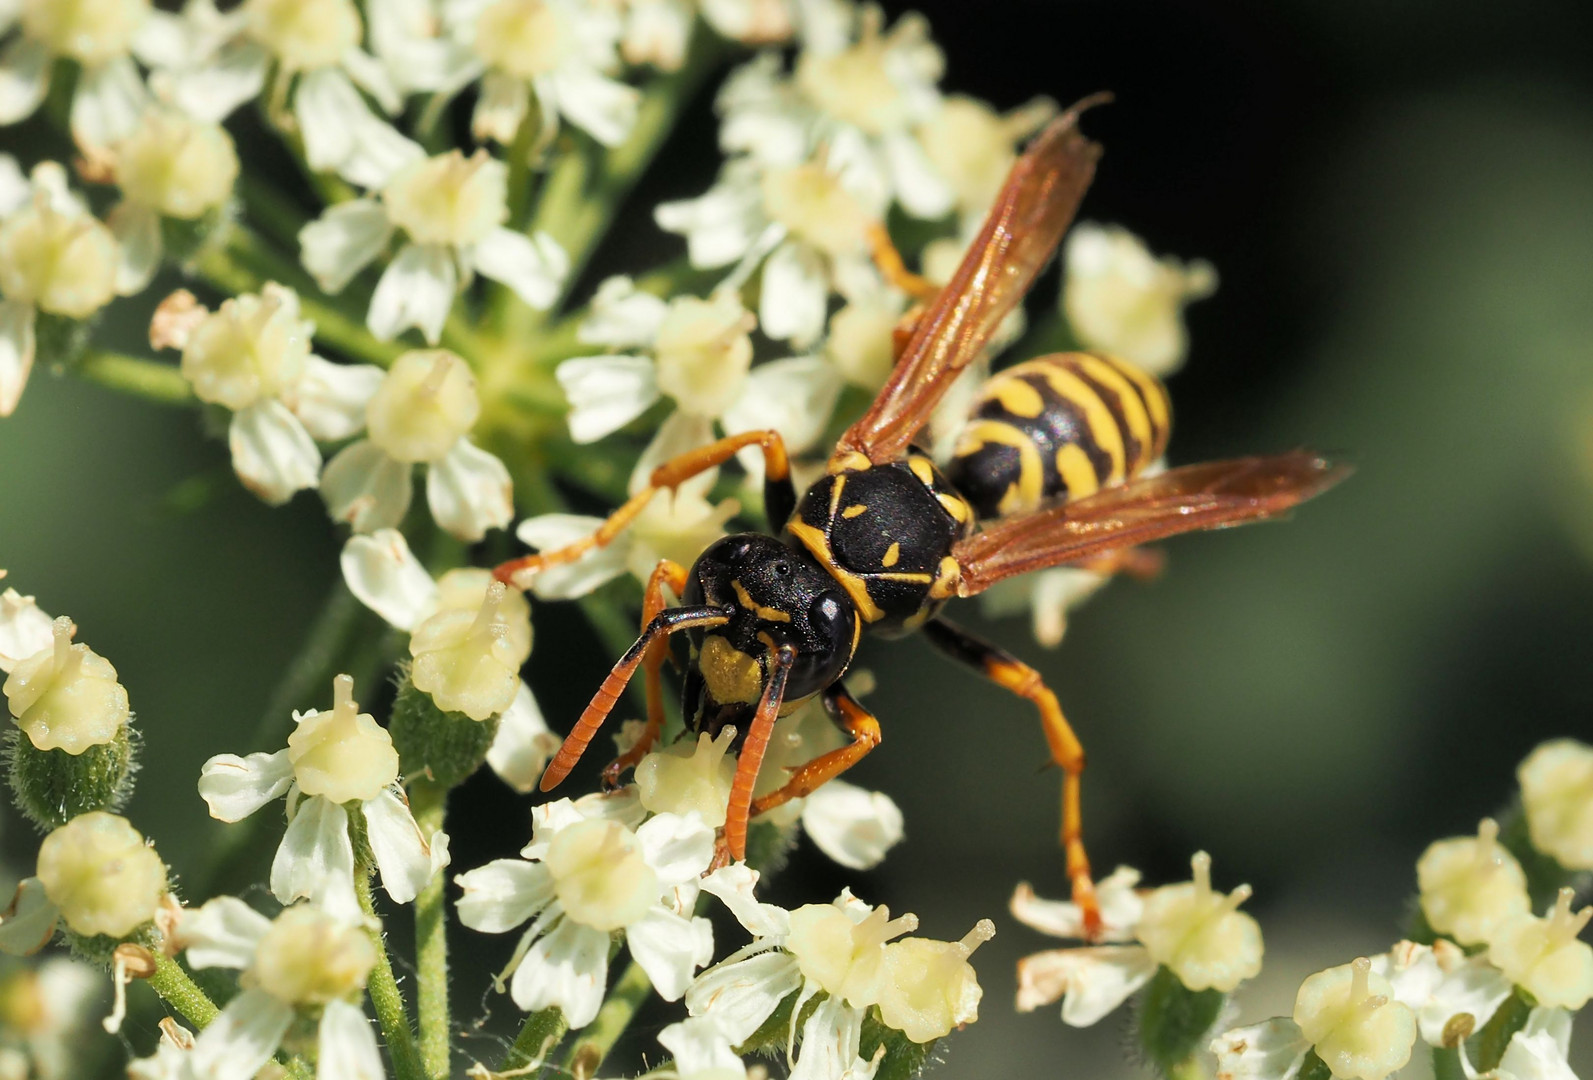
{"x": 1048, "y": 470}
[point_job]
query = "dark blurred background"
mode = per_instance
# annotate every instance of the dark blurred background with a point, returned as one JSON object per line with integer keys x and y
{"x": 1399, "y": 200}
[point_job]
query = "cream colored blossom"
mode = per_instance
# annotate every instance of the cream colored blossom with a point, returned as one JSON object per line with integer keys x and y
{"x": 691, "y": 776}
{"x": 54, "y": 254}
{"x": 927, "y": 987}
{"x": 66, "y": 696}
{"x": 1557, "y": 795}
{"x": 101, "y": 875}
{"x": 176, "y": 164}
{"x": 307, "y": 957}
{"x": 469, "y": 660}
{"x": 1199, "y": 935}
{"x": 1352, "y": 1019}
{"x": 1544, "y": 957}
{"x": 1471, "y": 885}
{"x": 342, "y": 754}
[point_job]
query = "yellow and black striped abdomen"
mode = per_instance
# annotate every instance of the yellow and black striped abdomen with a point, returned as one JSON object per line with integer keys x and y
{"x": 1058, "y": 427}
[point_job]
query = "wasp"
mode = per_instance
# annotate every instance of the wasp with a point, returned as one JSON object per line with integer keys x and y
{"x": 1053, "y": 467}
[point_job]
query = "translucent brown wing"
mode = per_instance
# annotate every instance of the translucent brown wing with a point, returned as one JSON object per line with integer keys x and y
{"x": 1033, "y": 210}
{"x": 1207, "y": 496}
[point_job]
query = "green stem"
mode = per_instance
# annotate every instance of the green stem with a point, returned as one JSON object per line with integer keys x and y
{"x": 1495, "y": 1035}
{"x": 428, "y": 801}
{"x": 177, "y": 989}
{"x": 387, "y": 999}
{"x": 599, "y": 1037}
{"x": 540, "y": 1034}
{"x": 148, "y": 379}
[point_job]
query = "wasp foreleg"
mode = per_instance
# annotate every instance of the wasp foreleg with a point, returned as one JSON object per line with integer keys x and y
{"x": 805, "y": 779}
{"x": 673, "y": 576}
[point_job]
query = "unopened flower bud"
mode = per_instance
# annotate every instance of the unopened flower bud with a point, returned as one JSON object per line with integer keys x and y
{"x": 927, "y": 988}
{"x": 176, "y": 164}
{"x": 692, "y": 775}
{"x": 62, "y": 261}
{"x": 101, "y": 875}
{"x": 704, "y": 352}
{"x": 305, "y": 34}
{"x": 842, "y": 955}
{"x": 425, "y": 405}
{"x": 449, "y": 199}
{"x": 600, "y": 874}
{"x": 89, "y": 31}
{"x": 1351, "y": 1016}
{"x": 811, "y": 202}
{"x": 469, "y": 661}
{"x": 1557, "y": 794}
{"x": 309, "y": 957}
{"x": 1471, "y": 885}
{"x": 342, "y": 754}
{"x": 1199, "y": 934}
{"x": 1544, "y": 957}
{"x": 253, "y": 348}
{"x": 67, "y": 696}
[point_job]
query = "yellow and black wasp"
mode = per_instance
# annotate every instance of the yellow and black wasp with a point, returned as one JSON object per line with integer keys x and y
{"x": 1049, "y": 469}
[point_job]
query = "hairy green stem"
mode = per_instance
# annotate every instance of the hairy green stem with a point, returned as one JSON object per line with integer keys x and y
{"x": 599, "y": 1037}
{"x": 148, "y": 379}
{"x": 539, "y": 1035}
{"x": 177, "y": 989}
{"x": 428, "y": 801}
{"x": 386, "y": 998}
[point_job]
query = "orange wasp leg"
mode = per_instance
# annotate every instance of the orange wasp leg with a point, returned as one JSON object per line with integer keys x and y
{"x": 750, "y": 758}
{"x": 919, "y": 288}
{"x": 671, "y": 575}
{"x": 580, "y": 737}
{"x": 779, "y": 497}
{"x": 1008, "y": 671}
{"x": 853, "y": 719}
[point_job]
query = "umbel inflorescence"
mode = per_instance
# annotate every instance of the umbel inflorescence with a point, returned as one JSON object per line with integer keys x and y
{"x": 414, "y": 324}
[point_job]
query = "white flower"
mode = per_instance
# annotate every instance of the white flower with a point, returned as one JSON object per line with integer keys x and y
{"x": 1539, "y": 1051}
{"x": 211, "y": 63}
{"x": 1121, "y": 299}
{"x": 305, "y": 959}
{"x": 334, "y": 757}
{"x": 1544, "y": 957}
{"x": 253, "y": 356}
{"x": 1441, "y": 983}
{"x": 452, "y": 209}
{"x": 1348, "y": 1015}
{"x": 24, "y": 629}
{"x": 1557, "y": 795}
{"x": 47, "y": 1008}
{"x": 587, "y": 872}
{"x": 101, "y": 36}
{"x": 97, "y": 874}
{"x": 701, "y": 1052}
{"x": 1193, "y": 931}
{"x": 55, "y": 257}
{"x": 1471, "y": 885}
{"x": 420, "y": 413}
{"x": 65, "y": 696}
{"x": 559, "y": 52}
{"x": 171, "y": 165}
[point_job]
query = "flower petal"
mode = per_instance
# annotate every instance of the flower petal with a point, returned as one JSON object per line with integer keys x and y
{"x": 15, "y": 190}
{"x": 416, "y": 289}
{"x": 1092, "y": 981}
{"x": 622, "y": 316}
{"x": 698, "y": 1046}
{"x": 678, "y": 848}
{"x": 347, "y": 1045}
{"x": 213, "y": 91}
{"x": 602, "y": 107}
{"x": 17, "y": 348}
{"x": 523, "y": 745}
{"x": 852, "y": 826}
{"x": 794, "y": 396}
{"x": 503, "y": 894}
{"x": 28, "y": 924}
{"x": 365, "y": 488}
{"x": 239, "y": 1042}
{"x": 385, "y": 576}
{"x": 500, "y": 108}
{"x": 316, "y": 859}
{"x": 1271, "y": 1050}
{"x": 24, "y": 78}
{"x": 1120, "y": 908}
{"x": 223, "y": 933}
{"x": 535, "y": 267}
{"x": 670, "y": 948}
{"x": 24, "y": 629}
{"x": 343, "y": 241}
{"x": 137, "y": 232}
{"x": 107, "y": 103}
{"x": 922, "y": 191}
{"x": 469, "y": 492}
{"x": 720, "y": 225}
{"x": 342, "y": 134}
{"x": 830, "y": 1039}
{"x": 739, "y": 996}
{"x": 568, "y": 968}
{"x": 407, "y": 860}
{"x": 235, "y": 787}
{"x": 330, "y": 398}
{"x": 606, "y": 393}
{"x": 370, "y": 75}
{"x": 793, "y": 295}
{"x": 734, "y": 885}
{"x": 548, "y": 531}
{"x": 272, "y": 453}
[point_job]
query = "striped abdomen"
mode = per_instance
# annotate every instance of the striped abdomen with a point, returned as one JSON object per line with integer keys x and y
{"x": 1056, "y": 428}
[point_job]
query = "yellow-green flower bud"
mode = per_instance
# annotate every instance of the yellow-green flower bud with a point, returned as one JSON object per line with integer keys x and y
{"x": 1544, "y": 957}
{"x": 342, "y": 754}
{"x": 600, "y": 875}
{"x": 1199, "y": 934}
{"x": 62, "y": 261}
{"x": 308, "y": 957}
{"x": 842, "y": 955}
{"x": 927, "y": 988}
{"x": 97, "y": 869}
{"x": 811, "y": 202}
{"x": 425, "y": 405}
{"x": 449, "y": 199}
{"x": 524, "y": 38}
{"x": 67, "y": 697}
{"x": 1557, "y": 794}
{"x": 89, "y": 31}
{"x": 469, "y": 661}
{"x": 692, "y": 775}
{"x": 1351, "y": 1016}
{"x": 176, "y": 164}
{"x": 304, "y": 34}
{"x": 253, "y": 348}
{"x": 1471, "y": 885}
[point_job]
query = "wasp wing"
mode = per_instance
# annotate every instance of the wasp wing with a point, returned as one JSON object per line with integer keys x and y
{"x": 1033, "y": 210}
{"x": 1213, "y": 495}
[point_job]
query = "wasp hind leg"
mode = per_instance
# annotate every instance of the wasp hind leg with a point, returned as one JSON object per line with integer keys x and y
{"x": 671, "y": 575}
{"x": 804, "y": 780}
{"x": 779, "y": 496}
{"x": 1006, "y": 670}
